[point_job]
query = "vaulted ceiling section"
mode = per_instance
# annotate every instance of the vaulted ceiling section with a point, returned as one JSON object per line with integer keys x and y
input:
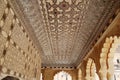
{"x": 64, "y": 30}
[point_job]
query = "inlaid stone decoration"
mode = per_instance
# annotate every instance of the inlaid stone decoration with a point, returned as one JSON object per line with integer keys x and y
{"x": 64, "y": 30}
{"x": 15, "y": 59}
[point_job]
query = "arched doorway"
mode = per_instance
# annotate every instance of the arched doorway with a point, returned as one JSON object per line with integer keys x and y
{"x": 109, "y": 59}
{"x": 116, "y": 61}
{"x": 10, "y": 78}
{"x": 62, "y": 76}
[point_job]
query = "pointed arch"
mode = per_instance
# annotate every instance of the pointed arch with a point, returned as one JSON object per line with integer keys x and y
{"x": 113, "y": 60}
{"x": 116, "y": 62}
{"x": 107, "y": 58}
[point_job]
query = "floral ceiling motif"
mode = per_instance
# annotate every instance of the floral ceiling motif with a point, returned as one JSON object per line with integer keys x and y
{"x": 65, "y": 29}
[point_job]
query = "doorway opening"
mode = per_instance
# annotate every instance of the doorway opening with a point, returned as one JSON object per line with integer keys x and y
{"x": 62, "y": 76}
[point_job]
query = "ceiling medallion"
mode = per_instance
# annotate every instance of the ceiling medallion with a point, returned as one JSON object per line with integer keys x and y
{"x": 64, "y": 5}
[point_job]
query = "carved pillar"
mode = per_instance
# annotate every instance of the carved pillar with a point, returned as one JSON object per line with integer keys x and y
{"x": 89, "y": 70}
{"x": 79, "y": 74}
{"x": 93, "y": 68}
{"x": 103, "y": 58}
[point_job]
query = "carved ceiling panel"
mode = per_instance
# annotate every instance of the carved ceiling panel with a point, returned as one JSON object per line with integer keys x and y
{"x": 64, "y": 28}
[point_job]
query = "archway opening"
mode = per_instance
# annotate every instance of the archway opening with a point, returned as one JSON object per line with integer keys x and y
{"x": 117, "y": 63}
{"x": 10, "y": 78}
{"x": 110, "y": 59}
{"x": 62, "y": 76}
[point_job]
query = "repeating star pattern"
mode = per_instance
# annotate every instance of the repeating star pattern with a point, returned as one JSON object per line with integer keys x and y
{"x": 65, "y": 28}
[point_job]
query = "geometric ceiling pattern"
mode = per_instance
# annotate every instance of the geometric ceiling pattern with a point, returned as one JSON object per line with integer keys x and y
{"x": 64, "y": 23}
{"x": 64, "y": 29}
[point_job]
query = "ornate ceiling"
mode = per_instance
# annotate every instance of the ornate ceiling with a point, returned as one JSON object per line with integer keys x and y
{"x": 64, "y": 29}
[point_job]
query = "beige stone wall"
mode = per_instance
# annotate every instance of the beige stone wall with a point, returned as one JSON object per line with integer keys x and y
{"x": 48, "y": 74}
{"x": 18, "y": 54}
